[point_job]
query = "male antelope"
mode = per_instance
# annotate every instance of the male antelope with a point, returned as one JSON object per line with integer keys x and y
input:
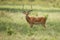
{"x": 34, "y": 20}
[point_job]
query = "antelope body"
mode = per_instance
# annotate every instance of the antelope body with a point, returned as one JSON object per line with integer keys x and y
{"x": 34, "y": 20}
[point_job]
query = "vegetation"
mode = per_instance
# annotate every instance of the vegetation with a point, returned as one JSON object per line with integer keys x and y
{"x": 20, "y": 29}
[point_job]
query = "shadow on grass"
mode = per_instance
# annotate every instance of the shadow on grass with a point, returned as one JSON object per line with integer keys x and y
{"x": 4, "y": 25}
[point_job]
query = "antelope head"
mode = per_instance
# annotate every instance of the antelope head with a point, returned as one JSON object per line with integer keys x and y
{"x": 27, "y": 12}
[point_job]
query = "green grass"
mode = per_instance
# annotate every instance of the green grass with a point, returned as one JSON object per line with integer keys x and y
{"x": 22, "y": 31}
{"x": 19, "y": 8}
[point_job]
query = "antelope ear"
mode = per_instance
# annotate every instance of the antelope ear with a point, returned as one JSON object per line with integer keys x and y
{"x": 23, "y": 12}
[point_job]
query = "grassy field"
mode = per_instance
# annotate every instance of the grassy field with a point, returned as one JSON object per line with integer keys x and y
{"x": 13, "y": 25}
{"x": 21, "y": 30}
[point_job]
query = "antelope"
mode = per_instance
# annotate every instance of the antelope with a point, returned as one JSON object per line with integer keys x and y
{"x": 34, "y": 20}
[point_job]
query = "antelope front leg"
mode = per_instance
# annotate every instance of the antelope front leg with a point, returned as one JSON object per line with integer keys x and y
{"x": 31, "y": 25}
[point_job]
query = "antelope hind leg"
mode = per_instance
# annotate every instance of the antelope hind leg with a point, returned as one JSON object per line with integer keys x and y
{"x": 44, "y": 25}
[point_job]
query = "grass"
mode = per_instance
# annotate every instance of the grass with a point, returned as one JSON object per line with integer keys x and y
{"x": 22, "y": 31}
{"x": 19, "y": 8}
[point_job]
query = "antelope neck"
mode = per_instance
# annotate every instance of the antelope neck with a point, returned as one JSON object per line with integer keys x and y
{"x": 27, "y": 16}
